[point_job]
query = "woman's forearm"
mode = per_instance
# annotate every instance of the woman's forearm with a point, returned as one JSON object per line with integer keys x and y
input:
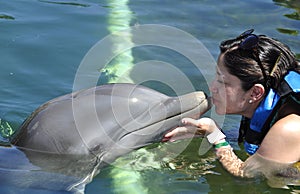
{"x": 230, "y": 161}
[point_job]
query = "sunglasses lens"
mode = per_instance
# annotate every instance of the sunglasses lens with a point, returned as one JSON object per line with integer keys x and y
{"x": 246, "y": 33}
{"x": 249, "y": 42}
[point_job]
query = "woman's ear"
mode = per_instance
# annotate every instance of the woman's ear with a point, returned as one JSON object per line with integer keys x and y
{"x": 257, "y": 92}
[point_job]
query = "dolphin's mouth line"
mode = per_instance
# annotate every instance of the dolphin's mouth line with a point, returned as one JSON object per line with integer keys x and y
{"x": 158, "y": 121}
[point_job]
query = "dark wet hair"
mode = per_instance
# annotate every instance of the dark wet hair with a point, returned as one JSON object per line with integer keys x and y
{"x": 244, "y": 63}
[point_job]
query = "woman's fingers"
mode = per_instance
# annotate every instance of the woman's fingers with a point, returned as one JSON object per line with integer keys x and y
{"x": 191, "y": 128}
{"x": 178, "y": 130}
{"x": 181, "y": 133}
{"x": 205, "y": 125}
{"x": 190, "y": 121}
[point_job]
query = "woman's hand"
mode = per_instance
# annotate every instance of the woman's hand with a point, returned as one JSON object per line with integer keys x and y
{"x": 192, "y": 128}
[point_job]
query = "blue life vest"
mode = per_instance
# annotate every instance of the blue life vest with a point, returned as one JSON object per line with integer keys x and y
{"x": 257, "y": 129}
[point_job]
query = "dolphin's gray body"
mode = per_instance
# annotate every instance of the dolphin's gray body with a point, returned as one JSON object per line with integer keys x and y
{"x": 76, "y": 134}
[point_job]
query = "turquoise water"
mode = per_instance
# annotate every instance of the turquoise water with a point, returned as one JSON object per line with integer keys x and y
{"x": 43, "y": 44}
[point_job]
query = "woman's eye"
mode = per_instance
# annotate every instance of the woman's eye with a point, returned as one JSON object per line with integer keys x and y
{"x": 220, "y": 81}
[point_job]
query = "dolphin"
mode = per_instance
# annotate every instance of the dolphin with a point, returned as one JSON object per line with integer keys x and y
{"x": 79, "y": 133}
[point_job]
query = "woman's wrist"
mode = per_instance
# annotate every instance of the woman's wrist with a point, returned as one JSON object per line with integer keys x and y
{"x": 215, "y": 136}
{"x": 220, "y": 141}
{"x": 220, "y": 144}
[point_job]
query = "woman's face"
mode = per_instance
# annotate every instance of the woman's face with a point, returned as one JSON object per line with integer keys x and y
{"x": 227, "y": 93}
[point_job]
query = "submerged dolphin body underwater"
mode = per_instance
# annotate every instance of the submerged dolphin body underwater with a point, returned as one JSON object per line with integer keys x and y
{"x": 66, "y": 141}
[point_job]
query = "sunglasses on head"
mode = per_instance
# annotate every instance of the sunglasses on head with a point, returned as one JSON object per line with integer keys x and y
{"x": 250, "y": 42}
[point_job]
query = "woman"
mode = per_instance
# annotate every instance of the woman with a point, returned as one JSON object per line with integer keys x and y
{"x": 256, "y": 77}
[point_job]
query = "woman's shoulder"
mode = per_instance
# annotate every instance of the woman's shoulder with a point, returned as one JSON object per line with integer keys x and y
{"x": 287, "y": 126}
{"x": 282, "y": 142}
{"x": 287, "y": 129}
